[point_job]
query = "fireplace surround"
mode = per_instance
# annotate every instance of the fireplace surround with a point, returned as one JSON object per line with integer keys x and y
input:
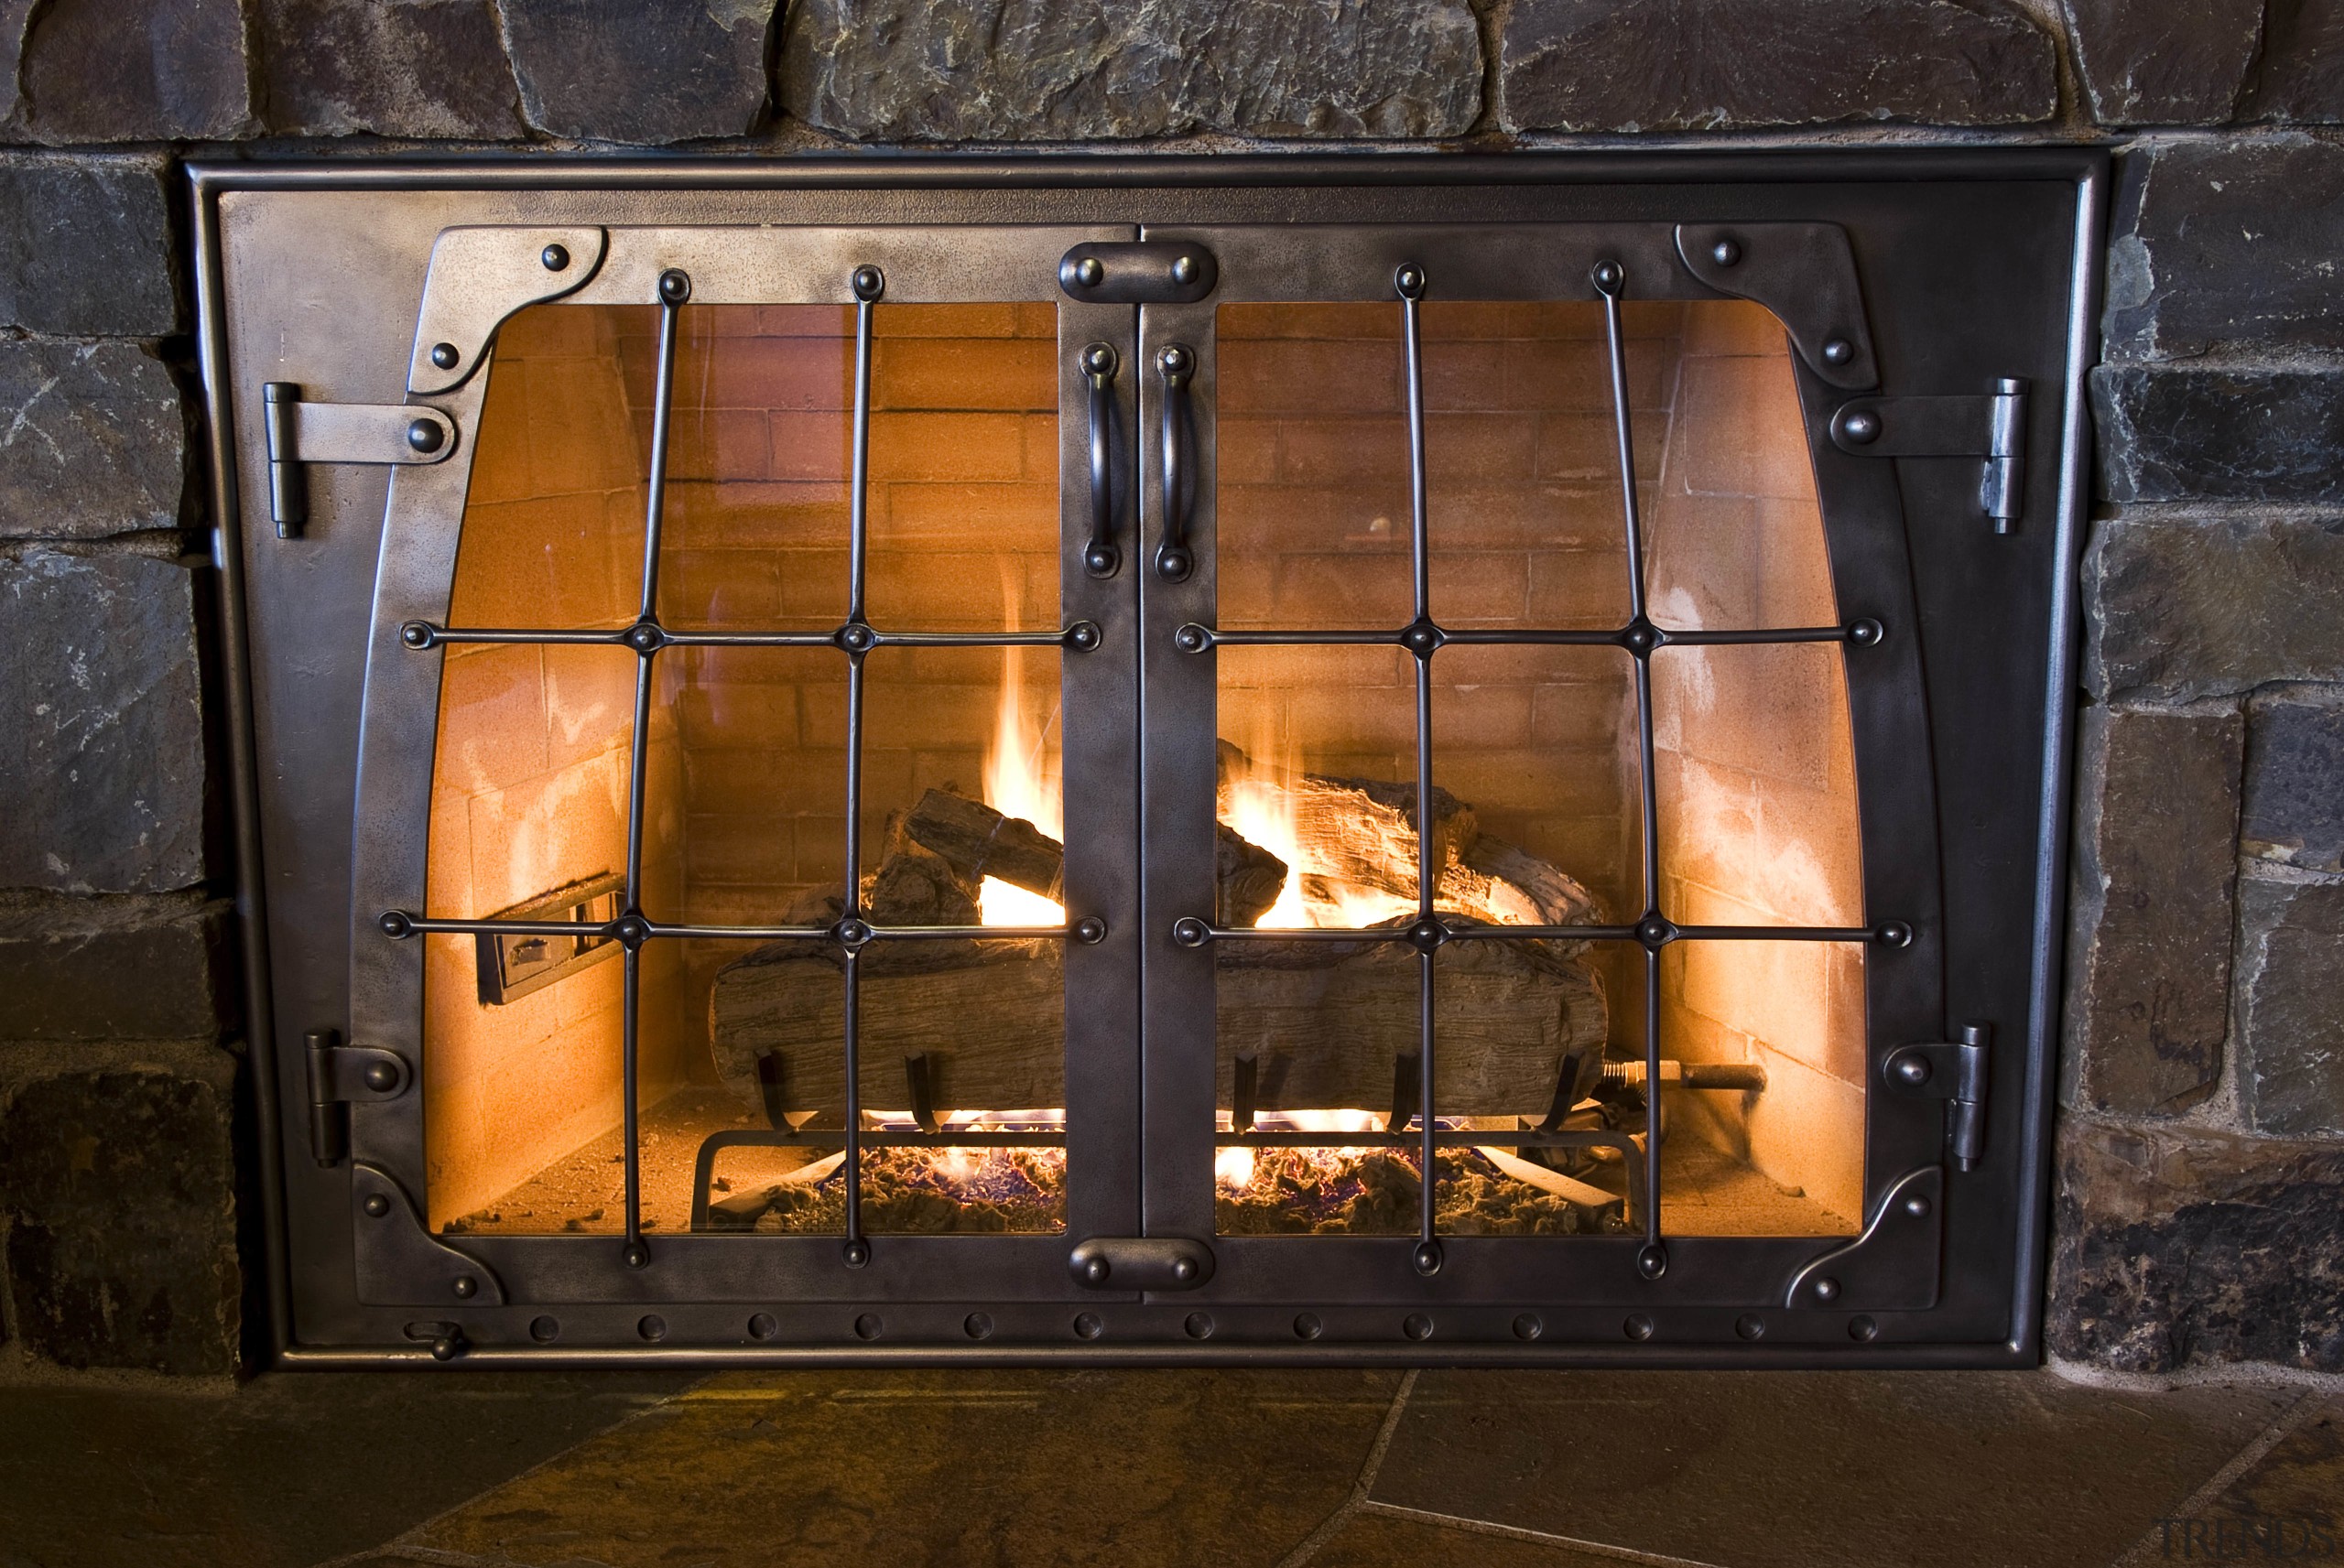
{"x": 1443, "y": 650}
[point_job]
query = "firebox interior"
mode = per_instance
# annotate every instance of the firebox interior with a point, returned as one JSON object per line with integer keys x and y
{"x": 1535, "y": 761}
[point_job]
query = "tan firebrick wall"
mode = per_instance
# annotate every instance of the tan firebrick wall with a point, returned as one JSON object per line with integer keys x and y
{"x": 530, "y": 784}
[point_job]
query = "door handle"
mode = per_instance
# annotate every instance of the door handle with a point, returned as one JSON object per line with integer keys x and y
{"x": 1177, "y": 362}
{"x": 1099, "y": 557}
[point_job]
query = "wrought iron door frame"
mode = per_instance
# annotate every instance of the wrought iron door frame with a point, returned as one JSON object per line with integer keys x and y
{"x": 926, "y": 1319}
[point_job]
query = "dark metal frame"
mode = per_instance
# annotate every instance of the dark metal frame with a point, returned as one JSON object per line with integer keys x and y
{"x": 1699, "y": 1306}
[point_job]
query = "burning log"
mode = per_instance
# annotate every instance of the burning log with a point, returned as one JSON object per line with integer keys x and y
{"x": 978, "y": 842}
{"x": 1323, "y": 1020}
{"x": 1247, "y": 879}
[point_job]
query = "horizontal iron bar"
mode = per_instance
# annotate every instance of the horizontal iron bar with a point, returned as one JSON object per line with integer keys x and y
{"x": 944, "y": 1137}
{"x": 1446, "y": 1138}
{"x": 1530, "y": 636}
{"x": 1550, "y": 933}
{"x": 617, "y": 637}
{"x": 653, "y": 930}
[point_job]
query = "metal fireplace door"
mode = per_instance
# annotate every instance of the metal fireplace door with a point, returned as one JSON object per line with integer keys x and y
{"x": 1924, "y": 1072}
{"x": 369, "y": 1107}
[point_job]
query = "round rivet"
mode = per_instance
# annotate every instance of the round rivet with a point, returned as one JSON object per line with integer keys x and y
{"x": 544, "y": 1330}
{"x": 1083, "y": 637}
{"x": 1416, "y": 1325}
{"x": 857, "y": 638}
{"x": 675, "y": 286}
{"x": 426, "y": 436}
{"x": 1867, "y": 634}
{"x": 1912, "y": 1070}
{"x": 1839, "y": 352}
{"x": 1173, "y": 564}
{"x": 396, "y": 924}
{"x": 1422, "y": 639}
{"x": 1894, "y": 933}
{"x": 646, "y": 638}
{"x": 1642, "y": 637}
{"x": 1089, "y": 1325}
{"x": 1725, "y": 253}
{"x": 1090, "y": 930}
{"x": 652, "y": 1328}
{"x": 1917, "y": 1206}
{"x": 856, "y": 1252}
{"x": 1184, "y": 269}
{"x": 1192, "y": 639}
{"x": 1750, "y": 1325}
{"x": 1307, "y": 1326}
{"x": 1827, "y": 1289}
{"x": 632, "y": 930}
{"x": 1089, "y": 272}
{"x": 447, "y": 1347}
{"x": 1198, "y": 1325}
{"x": 1427, "y": 934}
{"x": 1528, "y": 1325}
{"x": 850, "y": 933}
{"x": 1609, "y": 277}
{"x": 1183, "y": 1268}
{"x": 555, "y": 258}
{"x": 1099, "y": 359}
{"x": 445, "y": 356}
{"x": 416, "y": 634}
{"x": 1652, "y": 1260}
{"x": 1173, "y": 359}
{"x": 1654, "y": 932}
{"x": 978, "y": 1325}
{"x": 869, "y": 283}
{"x": 1095, "y": 1271}
{"x": 1190, "y": 932}
{"x": 1409, "y": 281}
{"x": 1638, "y": 1326}
{"x": 635, "y": 1254}
{"x": 1426, "y": 1259}
{"x": 763, "y": 1326}
{"x": 376, "y": 1205}
{"x": 1101, "y": 560}
{"x": 1863, "y": 1327}
{"x": 1862, "y": 426}
{"x": 465, "y": 1287}
{"x": 381, "y": 1076}
{"x": 868, "y": 1325}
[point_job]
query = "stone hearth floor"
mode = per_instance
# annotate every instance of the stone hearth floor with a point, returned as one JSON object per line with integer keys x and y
{"x": 1026, "y": 1469}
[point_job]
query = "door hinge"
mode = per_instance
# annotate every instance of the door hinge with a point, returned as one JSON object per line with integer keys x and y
{"x": 301, "y": 433}
{"x": 1139, "y": 272}
{"x": 339, "y": 1074}
{"x": 1992, "y": 426}
{"x": 1953, "y": 1071}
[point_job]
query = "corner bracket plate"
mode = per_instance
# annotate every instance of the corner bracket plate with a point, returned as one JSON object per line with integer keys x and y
{"x": 400, "y": 1264}
{"x": 480, "y": 275}
{"x": 1805, "y": 274}
{"x": 1895, "y": 1265}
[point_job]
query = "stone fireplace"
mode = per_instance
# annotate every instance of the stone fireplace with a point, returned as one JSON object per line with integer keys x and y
{"x": 144, "y": 1118}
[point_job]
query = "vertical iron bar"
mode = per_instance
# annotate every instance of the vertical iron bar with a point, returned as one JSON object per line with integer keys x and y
{"x": 868, "y": 283}
{"x": 1611, "y": 282}
{"x": 655, "y": 510}
{"x": 1409, "y": 281}
{"x": 674, "y": 287}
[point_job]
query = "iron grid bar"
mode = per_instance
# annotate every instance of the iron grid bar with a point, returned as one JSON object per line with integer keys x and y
{"x": 1894, "y": 933}
{"x": 868, "y": 283}
{"x": 1408, "y": 281}
{"x": 426, "y": 635}
{"x": 1200, "y": 638}
{"x": 398, "y": 923}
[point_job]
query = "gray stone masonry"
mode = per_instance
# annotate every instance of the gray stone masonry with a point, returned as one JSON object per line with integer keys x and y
{"x": 94, "y": 440}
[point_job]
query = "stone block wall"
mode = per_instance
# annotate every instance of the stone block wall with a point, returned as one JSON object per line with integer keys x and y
{"x": 2202, "y": 1153}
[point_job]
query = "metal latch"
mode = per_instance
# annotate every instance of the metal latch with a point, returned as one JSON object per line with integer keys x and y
{"x": 1140, "y": 1263}
{"x": 1139, "y": 272}
{"x": 339, "y": 1074}
{"x": 1953, "y": 1071}
{"x": 301, "y": 433}
{"x": 1992, "y": 426}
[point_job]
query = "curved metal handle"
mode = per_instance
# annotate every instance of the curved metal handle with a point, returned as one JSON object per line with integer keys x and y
{"x": 1175, "y": 362}
{"x": 1099, "y": 557}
